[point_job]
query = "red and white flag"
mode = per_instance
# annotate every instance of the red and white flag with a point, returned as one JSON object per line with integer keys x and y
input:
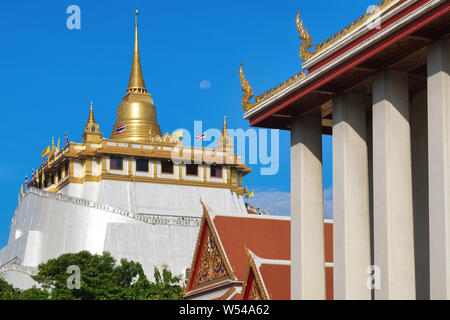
{"x": 121, "y": 129}
{"x": 201, "y": 136}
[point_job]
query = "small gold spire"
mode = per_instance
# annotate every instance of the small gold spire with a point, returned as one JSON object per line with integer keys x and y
{"x": 91, "y": 132}
{"x": 225, "y": 129}
{"x": 225, "y": 142}
{"x": 136, "y": 83}
{"x": 91, "y": 115}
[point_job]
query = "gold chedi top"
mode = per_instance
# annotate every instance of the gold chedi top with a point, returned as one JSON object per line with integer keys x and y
{"x": 136, "y": 115}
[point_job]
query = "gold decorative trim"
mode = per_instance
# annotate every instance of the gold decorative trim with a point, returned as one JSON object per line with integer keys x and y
{"x": 149, "y": 179}
{"x": 355, "y": 24}
{"x": 270, "y": 93}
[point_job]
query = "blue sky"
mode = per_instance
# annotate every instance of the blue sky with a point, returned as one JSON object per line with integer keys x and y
{"x": 49, "y": 73}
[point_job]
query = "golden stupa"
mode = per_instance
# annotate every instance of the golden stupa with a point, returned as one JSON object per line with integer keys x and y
{"x": 136, "y": 115}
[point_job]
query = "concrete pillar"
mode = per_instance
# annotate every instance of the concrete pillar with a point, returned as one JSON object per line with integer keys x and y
{"x": 370, "y": 156}
{"x": 392, "y": 187}
{"x": 350, "y": 198}
{"x": 419, "y": 151}
{"x": 439, "y": 167}
{"x": 307, "y": 227}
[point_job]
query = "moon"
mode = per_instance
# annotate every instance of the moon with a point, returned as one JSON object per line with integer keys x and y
{"x": 205, "y": 85}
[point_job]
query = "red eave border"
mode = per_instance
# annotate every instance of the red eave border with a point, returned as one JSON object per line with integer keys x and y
{"x": 396, "y": 36}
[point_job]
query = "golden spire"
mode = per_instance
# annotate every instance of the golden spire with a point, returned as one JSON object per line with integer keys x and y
{"x": 92, "y": 132}
{"x": 91, "y": 115}
{"x": 136, "y": 83}
{"x": 225, "y": 142}
{"x": 136, "y": 115}
{"x": 224, "y": 129}
{"x": 246, "y": 88}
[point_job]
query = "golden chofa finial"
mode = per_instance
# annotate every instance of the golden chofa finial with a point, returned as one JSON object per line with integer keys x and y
{"x": 307, "y": 42}
{"x": 248, "y": 91}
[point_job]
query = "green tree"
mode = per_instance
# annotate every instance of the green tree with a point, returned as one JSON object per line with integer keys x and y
{"x": 34, "y": 294}
{"x": 165, "y": 286}
{"x": 102, "y": 279}
{"x": 7, "y": 291}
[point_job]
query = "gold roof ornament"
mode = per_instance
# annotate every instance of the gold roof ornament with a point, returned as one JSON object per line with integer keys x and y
{"x": 136, "y": 115}
{"x": 307, "y": 42}
{"x": 248, "y": 91}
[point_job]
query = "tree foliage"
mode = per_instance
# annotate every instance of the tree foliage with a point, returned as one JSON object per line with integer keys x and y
{"x": 100, "y": 278}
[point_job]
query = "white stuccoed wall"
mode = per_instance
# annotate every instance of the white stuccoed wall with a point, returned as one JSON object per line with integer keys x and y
{"x": 47, "y": 225}
{"x": 157, "y": 198}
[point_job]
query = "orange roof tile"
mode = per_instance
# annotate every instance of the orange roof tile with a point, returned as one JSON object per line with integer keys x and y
{"x": 266, "y": 237}
{"x": 277, "y": 279}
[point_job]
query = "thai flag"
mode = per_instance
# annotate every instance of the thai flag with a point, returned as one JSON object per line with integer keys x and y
{"x": 32, "y": 175}
{"x": 121, "y": 129}
{"x": 26, "y": 181}
{"x": 201, "y": 136}
{"x": 66, "y": 139}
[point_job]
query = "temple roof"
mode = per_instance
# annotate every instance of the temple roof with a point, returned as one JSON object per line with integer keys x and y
{"x": 266, "y": 235}
{"x": 306, "y": 56}
{"x": 383, "y": 6}
{"x": 245, "y": 244}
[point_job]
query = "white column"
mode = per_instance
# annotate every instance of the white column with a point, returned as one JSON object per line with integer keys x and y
{"x": 307, "y": 234}
{"x": 351, "y": 231}
{"x": 419, "y": 151}
{"x": 439, "y": 167}
{"x": 392, "y": 187}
